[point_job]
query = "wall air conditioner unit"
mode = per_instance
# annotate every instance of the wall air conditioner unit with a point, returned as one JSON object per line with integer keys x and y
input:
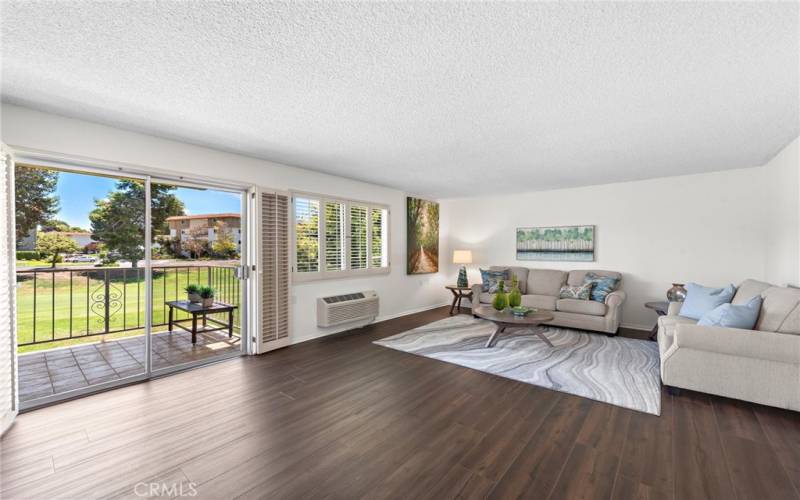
{"x": 347, "y": 308}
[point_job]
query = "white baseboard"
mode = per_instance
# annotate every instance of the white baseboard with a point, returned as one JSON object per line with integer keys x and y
{"x": 381, "y": 319}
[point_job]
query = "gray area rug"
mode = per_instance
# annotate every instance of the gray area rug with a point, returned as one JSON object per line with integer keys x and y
{"x": 615, "y": 370}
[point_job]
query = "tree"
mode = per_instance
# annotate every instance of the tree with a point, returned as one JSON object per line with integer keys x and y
{"x": 118, "y": 221}
{"x": 223, "y": 246}
{"x": 53, "y": 244}
{"x": 35, "y": 201}
{"x": 60, "y": 226}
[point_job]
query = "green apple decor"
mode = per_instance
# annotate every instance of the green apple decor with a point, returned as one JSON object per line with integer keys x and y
{"x": 514, "y": 297}
{"x": 500, "y": 301}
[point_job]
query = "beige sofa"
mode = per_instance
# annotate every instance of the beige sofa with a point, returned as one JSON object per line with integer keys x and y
{"x": 760, "y": 365}
{"x": 540, "y": 289}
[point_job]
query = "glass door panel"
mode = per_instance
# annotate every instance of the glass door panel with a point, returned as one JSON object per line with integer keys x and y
{"x": 197, "y": 242}
{"x": 80, "y": 281}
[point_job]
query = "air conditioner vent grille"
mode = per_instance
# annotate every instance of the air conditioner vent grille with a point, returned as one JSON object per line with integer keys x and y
{"x": 343, "y": 298}
{"x": 347, "y": 308}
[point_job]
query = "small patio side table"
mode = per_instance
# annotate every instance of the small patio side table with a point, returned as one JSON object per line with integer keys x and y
{"x": 198, "y": 310}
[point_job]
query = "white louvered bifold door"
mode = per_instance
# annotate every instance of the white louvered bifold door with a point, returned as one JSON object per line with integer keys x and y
{"x": 272, "y": 270}
{"x": 8, "y": 342}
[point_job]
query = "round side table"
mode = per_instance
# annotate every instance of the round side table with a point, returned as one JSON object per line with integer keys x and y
{"x": 459, "y": 292}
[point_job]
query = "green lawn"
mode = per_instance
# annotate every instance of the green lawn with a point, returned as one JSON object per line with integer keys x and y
{"x": 72, "y": 301}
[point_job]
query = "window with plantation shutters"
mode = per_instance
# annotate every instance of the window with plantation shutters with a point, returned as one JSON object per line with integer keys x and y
{"x": 336, "y": 238}
{"x": 378, "y": 250}
{"x": 358, "y": 237}
{"x": 306, "y": 226}
{"x": 335, "y": 253}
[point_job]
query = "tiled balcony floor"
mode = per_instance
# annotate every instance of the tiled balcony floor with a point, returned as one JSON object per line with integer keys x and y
{"x": 45, "y": 373}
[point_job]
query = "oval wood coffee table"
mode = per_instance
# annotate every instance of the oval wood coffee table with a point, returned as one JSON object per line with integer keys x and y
{"x": 504, "y": 319}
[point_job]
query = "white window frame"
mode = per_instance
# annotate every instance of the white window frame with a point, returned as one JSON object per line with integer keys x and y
{"x": 322, "y": 273}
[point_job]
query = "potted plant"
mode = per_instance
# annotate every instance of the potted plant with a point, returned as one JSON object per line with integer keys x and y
{"x": 207, "y": 295}
{"x": 193, "y": 294}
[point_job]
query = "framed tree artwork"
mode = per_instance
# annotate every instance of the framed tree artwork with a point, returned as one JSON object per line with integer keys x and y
{"x": 422, "y": 238}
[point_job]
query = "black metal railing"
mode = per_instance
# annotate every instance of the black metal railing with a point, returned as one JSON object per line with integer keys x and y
{"x": 62, "y": 304}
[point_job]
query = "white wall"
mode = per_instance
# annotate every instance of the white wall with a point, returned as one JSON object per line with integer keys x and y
{"x": 782, "y": 223}
{"x": 709, "y": 228}
{"x": 400, "y": 294}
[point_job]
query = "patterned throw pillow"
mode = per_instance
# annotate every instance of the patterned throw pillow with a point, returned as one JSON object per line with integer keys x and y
{"x": 581, "y": 292}
{"x": 603, "y": 285}
{"x": 492, "y": 278}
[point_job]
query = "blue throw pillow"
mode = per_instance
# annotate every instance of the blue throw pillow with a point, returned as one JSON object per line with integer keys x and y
{"x": 731, "y": 316}
{"x": 701, "y": 299}
{"x": 601, "y": 285}
{"x": 491, "y": 279}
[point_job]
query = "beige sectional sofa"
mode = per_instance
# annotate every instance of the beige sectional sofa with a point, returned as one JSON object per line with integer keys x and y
{"x": 760, "y": 365}
{"x": 540, "y": 289}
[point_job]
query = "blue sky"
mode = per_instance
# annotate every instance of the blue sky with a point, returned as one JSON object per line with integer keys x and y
{"x": 77, "y": 193}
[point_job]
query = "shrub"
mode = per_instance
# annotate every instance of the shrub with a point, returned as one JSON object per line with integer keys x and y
{"x": 27, "y": 255}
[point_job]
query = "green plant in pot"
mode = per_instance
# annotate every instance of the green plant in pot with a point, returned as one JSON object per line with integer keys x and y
{"x": 193, "y": 294}
{"x": 514, "y": 297}
{"x": 500, "y": 300}
{"x": 207, "y": 295}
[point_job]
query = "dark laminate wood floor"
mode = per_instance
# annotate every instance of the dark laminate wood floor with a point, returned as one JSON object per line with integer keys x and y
{"x": 342, "y": 418}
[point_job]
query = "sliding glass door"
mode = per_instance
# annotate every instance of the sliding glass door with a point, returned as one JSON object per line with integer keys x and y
{"x": 107, "y": 269}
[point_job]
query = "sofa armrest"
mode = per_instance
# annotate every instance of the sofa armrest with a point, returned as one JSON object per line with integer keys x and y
{"x": 781, "y": 347}
{"x": 615, "y": 298}
{"x": 674, "y": 308}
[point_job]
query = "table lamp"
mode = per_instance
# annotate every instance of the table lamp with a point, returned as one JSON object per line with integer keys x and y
{"x": 462, "y": 257}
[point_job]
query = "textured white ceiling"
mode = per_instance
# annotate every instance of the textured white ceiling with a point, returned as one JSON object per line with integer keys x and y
{"x": 439, "y": 99}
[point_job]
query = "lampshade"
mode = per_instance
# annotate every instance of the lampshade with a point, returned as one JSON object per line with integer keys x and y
{"x": 462, "y": 257}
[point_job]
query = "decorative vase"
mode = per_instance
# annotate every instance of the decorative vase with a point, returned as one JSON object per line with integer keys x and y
{"x": 208, "y": 302}
{"x": 677, "y": 293}
{"x": 500, "y": 300}
{"x": 514, "y": 297}
{"x": 194, "y": 298}
{"x": 462, "y": 277}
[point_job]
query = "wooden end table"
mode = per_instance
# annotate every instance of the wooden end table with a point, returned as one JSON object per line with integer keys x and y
{"x": 198, "y": 310}
{"x": 459, "y": 292}
{"x": 504, "y": 319}
{"x": 660, "y": 307}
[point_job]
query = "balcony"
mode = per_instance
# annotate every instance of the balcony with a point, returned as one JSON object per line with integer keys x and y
{"x": 81, "y": 327}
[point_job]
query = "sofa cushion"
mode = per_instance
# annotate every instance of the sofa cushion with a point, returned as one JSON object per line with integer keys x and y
{"x": 742, "y": 316}
{"x": 601, "y": 285}
{"x": 590, "y": 307}
{"x": 545, "y": 281}
{"x": 701, "y": 299}
{"x": 520, "y": 272}
{"x": 575, "y": 278}
{"x": 547, "y": 302}
{"x": 747, "y": 290}
{"x": 780, "y": 311}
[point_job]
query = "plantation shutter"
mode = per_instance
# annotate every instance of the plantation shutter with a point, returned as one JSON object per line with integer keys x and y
{"x": 306, "y": 223}
{"x": 8, "y": 341}
{"x": 358, "y": 237}
{"x": 335, "y": 255}
{"x": 273, "y": 270}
